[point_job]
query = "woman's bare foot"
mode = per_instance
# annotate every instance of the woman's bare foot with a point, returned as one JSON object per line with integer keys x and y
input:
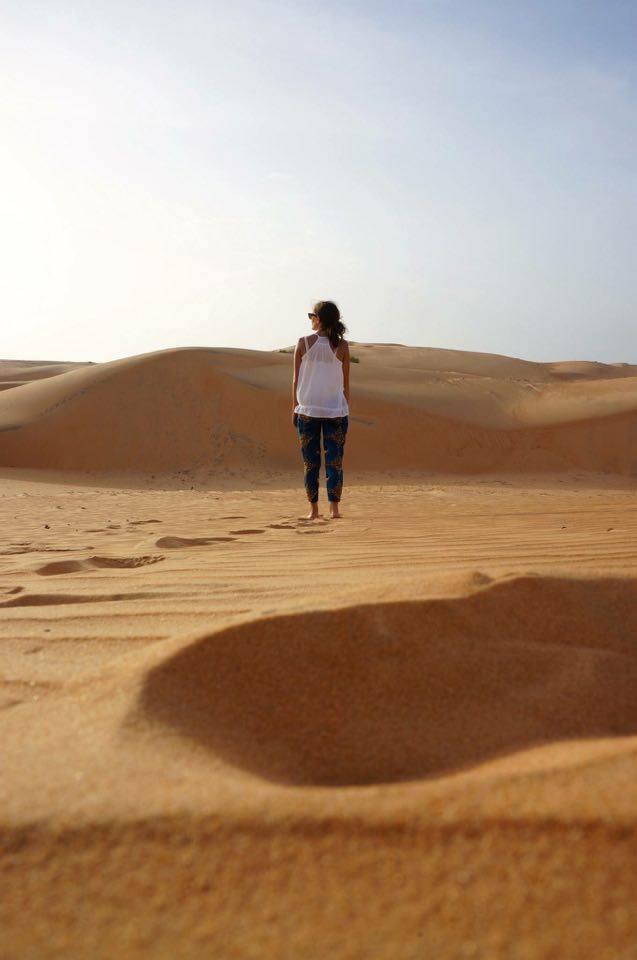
{"x": 313, "y": 514}
{"x": 334, "y": 514}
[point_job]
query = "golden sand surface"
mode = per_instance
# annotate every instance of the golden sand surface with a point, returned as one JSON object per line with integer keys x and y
{"x": 229, "y": 731}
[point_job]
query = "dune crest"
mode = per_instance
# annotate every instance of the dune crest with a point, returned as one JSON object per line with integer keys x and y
{"x": 213, "y": 409}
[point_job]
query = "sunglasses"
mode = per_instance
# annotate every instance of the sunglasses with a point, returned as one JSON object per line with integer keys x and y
{"x": 311, "y": 315}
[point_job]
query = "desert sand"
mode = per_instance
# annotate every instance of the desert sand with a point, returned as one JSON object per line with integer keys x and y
{"x": 410, "y": 733}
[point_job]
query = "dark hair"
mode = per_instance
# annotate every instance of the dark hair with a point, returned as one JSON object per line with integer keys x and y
{"x": 330, "y": 317}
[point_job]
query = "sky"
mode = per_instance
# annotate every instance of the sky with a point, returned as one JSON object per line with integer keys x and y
{"x": 452, "y": 173}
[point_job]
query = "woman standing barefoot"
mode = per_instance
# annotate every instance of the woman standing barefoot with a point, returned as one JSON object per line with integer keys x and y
{"x": 320, "y": 394}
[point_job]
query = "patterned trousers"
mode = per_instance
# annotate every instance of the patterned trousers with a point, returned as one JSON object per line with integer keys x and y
{"x": 334, "y": 433}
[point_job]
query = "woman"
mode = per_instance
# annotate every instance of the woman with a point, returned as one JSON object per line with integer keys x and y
{"x": 320, "y": 394}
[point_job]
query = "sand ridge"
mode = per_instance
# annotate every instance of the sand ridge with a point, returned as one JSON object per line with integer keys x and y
{"x": 206, "y": 408}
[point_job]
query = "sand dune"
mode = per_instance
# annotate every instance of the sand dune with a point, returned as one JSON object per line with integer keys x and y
{"x": 15, "y": 373}
{"x": 414, "y": 408}
{"x": 230, "y": 731}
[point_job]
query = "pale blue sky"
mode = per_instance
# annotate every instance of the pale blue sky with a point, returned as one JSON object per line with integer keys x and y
{"x": 454, "y": 173}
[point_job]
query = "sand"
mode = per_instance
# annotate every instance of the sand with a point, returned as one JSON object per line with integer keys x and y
{"x": 229, "y": 731}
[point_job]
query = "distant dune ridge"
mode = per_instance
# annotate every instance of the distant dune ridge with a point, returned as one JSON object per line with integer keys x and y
{"x": 411, "y": 408}
{"x": 14, "y": 373}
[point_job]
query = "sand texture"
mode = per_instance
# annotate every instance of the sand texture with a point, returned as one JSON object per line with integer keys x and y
{"x": 229, "y": 731}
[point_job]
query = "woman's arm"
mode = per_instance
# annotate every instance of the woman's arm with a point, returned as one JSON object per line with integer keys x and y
{"x": 298, "y": 356}
{"x": 346, "y": 370}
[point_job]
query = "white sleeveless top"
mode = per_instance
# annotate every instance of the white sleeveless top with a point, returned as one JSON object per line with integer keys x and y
{"x": 320, "y": 384}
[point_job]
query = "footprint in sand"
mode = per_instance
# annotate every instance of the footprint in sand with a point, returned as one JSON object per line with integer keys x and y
{"x": 10, "y": 590}
{"x": 39, "y": 548}
{"x": 125, "y": 562}
{"x": 56, "y": 599}
{"x": 305, "y": 526}
{"x": 59, "y": 567}
{"x": 138, "y": 522}
{"x": 111, "y": 526}
{"x": 172, "y": 543}
{"x": 239, "y": 516}
{"x": 308, "y": 526}
{"x": 401, "y": 664}
{"x": 247, "y": 531}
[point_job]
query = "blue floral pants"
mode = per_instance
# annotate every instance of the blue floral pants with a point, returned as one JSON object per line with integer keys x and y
{"x": 334, "y": 433}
